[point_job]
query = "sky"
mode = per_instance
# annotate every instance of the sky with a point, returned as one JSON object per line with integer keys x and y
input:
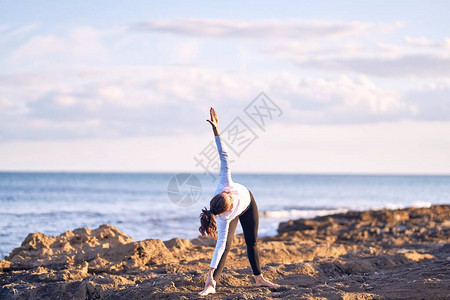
{"x": 360, "y": 87}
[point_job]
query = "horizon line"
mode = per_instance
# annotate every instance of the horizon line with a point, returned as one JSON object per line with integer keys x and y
{"x": 235, "y": 172}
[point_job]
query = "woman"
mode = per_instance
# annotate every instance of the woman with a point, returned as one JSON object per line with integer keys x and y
{"x": 232, "y": 202}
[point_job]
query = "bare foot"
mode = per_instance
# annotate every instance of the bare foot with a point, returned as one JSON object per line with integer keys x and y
{"x": 208, "y": 290}
{"x": 261, "y": 281}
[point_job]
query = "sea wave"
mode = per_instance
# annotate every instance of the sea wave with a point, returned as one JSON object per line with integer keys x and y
{"x": 300, "y": 213}
{"x": 311, "y": 212}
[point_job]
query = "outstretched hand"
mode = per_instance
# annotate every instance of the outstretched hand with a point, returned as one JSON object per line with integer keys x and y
{"x": 214, "y": 121}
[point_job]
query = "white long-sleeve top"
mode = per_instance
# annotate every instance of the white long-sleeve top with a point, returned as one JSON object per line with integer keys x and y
{"x": 241, "y": 201}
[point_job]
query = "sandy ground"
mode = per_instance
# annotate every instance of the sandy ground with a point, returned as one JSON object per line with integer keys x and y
{"x": 385, "y": 254}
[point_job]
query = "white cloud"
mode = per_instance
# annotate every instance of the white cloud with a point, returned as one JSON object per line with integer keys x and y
{"x": 381, "y": 59}
{"x": 420, "y": 41}
{"x": 82, "y": 45}
{"x": 106, "y": 88}
{"x": 338, "y": 100}
{"x": 426, "y": 42}
{"x": 65, "y": 100}
{"x": 426, "y": 65}
{"x": 185, "y": 52}
{"x": 431, "y": 100}
{"x": 8, "y": 32}
{"x": 155, "y": 101}
{"x": 151, "y": 101}
{"x": 77, "y": 92}
{"x": 274, "y": 29}
{"x": 40, "y": 46}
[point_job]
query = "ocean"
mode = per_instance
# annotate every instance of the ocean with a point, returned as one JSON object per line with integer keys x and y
{"x": 143, "y": 205}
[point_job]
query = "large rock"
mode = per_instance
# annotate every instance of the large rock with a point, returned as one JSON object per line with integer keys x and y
{"x": 357, "y": 255}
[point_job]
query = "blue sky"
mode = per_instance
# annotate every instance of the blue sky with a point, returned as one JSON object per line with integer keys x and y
{"x": 108, "y": 86}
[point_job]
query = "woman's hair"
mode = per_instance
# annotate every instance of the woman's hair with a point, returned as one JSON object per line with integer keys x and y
{"x": 217, "y": 205}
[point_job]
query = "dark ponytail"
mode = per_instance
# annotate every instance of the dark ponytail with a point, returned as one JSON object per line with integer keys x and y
{"x": 208, "y": 223}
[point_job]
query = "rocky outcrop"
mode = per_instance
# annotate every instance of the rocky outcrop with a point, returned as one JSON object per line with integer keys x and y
{"x": 401, "y": 227}
{"x": 355, "y": 255}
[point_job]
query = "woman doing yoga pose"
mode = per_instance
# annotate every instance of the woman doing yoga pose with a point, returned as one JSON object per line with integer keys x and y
{"x": 232, "y": 202}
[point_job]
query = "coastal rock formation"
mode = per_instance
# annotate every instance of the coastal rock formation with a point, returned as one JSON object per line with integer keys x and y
{"x": 401, "y": 254}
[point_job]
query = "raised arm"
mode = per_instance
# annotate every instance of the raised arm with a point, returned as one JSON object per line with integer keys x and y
{"x": 225, "y": 173}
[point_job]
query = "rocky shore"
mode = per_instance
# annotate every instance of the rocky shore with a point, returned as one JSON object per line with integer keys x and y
{"x": 384, "y": 254}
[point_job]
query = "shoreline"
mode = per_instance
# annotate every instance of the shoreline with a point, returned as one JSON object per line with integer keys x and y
{"x": 346, "y": 255}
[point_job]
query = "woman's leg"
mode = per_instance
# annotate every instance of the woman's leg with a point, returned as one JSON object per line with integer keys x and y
{"x": 250, "y": 222}
{"x": 229, "y": 243}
